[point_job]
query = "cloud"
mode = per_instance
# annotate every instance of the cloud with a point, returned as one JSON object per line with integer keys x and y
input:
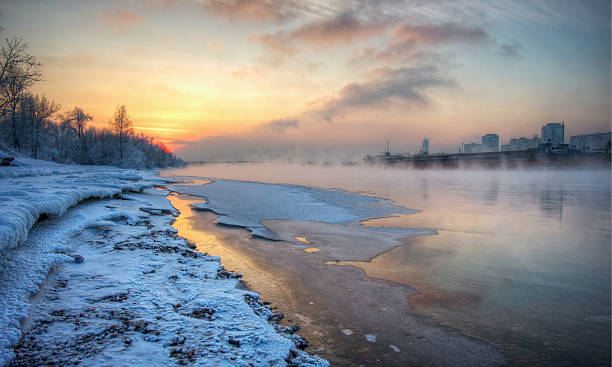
{"x": 344, "y": 28}
{"x": 281, "y": 125}
{"x": 408, "y": 41}
{"x": 281, "y": 11}
{"x": 511, "y": 50}
{"x": 120, "y": 18}
{"x": 277, "y": 42}
{"x": 404, "y": 85}
{"x": 432, "y": 34}
{"x": 583, "y": 14}
{"x": 252, "y": 10}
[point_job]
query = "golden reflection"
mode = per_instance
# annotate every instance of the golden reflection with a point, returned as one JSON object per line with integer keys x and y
{"x": 205, "y": 241}
{"x": 195, "y": 182}
{"x": 311, "y": 250}
{"x": 303, "y": 240}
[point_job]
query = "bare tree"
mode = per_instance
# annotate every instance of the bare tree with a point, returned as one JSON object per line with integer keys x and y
{"x": 122, "y": 126}
{"x": 78, "y": 120}
{"x": 43, "y": 109}
{"x": 61, "y": 132}
{"x": 18, "y": 71}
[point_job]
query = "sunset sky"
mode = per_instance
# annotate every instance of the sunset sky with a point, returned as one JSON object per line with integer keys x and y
{"x": 243, "y": 79}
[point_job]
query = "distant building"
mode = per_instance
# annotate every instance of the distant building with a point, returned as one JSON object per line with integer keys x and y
{"x": 553, "y": 133}
{"x": 521, "y": 144}
{"x": 425, "y": 146}
{"x": 471, "y": 148}
{"x": 388, "y": 152}
{"x": 490, "y": 143}
{"x": 590, "y": 141}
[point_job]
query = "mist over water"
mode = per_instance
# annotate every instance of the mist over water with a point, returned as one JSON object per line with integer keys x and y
{"x": 521, "y": 258}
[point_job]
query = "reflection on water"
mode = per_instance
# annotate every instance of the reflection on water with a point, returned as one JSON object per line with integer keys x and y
{"x": 199, "y": 228}
{"x": 521, "y": 259}
{"x": 491, "y": 196}
{"x": 551, "y": 203}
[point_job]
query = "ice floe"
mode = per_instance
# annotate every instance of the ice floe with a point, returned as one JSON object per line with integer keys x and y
{"x": 247, "y": 204}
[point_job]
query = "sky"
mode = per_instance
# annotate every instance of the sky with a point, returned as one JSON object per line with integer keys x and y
{"x": 246, "y": 79}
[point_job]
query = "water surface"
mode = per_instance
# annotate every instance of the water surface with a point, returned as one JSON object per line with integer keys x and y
{"x": 521, "y": 258}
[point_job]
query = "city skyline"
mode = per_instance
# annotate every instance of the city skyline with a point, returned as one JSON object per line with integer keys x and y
{"x": 264, "y": 79}
{"x": 494, "y": 140}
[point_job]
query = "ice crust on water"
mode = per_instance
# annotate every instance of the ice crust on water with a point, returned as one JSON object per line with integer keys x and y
{"x": 247, "y": 204}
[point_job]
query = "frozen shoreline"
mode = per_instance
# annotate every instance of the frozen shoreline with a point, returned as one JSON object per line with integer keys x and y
{"x": 141, "y": 295}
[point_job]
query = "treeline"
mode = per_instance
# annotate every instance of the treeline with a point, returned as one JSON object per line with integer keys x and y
{"x": 33, "y": 124}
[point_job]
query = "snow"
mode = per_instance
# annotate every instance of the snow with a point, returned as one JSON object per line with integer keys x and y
{"x": 108, "y": 282}
{"x": 247, "y": 204}
{"x": 370, "y": 338}
{"x": 33, "y": 188}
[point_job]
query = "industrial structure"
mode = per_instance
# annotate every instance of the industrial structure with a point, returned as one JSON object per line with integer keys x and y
{"x": 425, "y": 146}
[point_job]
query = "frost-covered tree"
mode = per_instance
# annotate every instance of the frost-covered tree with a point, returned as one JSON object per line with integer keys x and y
{"x": 18, "y": 72}
{"x": 27, "y": 122}
{"x": 123, "y": 127}
{"x": 78, "y": 121}
{"x": 43, "y": 109}
{"x": 61, "y": 133}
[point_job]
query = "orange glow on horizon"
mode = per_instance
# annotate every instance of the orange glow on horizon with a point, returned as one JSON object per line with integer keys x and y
{"x": 164, "y": 147}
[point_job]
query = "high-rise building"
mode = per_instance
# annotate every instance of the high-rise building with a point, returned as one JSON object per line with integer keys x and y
{"x": 490, "y": 143}
{"x": 553, "y": 133}
{"x": 425, "y": 146}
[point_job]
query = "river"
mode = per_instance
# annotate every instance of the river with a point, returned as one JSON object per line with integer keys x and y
{"x": 520, "y": 259}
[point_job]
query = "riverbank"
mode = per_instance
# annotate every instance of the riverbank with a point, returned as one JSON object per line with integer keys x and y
{"x": 93, "y": 272}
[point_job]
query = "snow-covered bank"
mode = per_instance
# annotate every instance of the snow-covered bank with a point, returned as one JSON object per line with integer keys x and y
{"x": 140, "y": 297}
{"x": 38, "y": 189}
{"x": 34, "y": 191}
